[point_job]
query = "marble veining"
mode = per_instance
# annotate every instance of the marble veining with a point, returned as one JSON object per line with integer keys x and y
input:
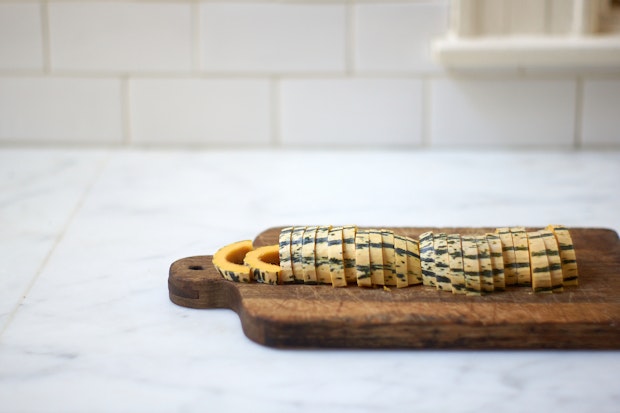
{"x": 39, "y": 190}
{"x": 96, "y": 331}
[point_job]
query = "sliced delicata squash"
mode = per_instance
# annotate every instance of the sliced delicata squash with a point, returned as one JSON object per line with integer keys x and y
{"x": 470, "y": 264}
{"x": 264, "y": 264}
{"x": 228, "y": 261}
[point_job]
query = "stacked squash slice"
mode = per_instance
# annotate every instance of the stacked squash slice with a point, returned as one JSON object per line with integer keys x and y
{"x": 543, "y": 260}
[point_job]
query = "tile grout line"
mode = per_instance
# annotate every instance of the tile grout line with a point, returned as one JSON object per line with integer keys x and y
{"x": 78, "y": 206}
{"x": 205, "y": 74}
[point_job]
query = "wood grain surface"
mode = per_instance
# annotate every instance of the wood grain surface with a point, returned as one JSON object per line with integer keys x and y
{"x": 583, "y": 317}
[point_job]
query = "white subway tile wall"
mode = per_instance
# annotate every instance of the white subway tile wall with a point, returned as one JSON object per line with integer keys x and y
{"x": 233, "y": 111}
{"x": 120, "y": 36}
{"x": 396, "y": 37}
{"x": 21, "y": 44}
{"x": 273, "y": 37}
{"x": 275, "y": 73}
{"x": 503, "y": 111}
{"x": 53, "y": 109}
{"x": 601, "y": 112}
{"x": 351, "y": 111}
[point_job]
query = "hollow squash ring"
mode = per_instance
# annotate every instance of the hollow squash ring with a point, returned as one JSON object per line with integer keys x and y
{"x": 228, "y": 261}
{"x": 264, "y": 264}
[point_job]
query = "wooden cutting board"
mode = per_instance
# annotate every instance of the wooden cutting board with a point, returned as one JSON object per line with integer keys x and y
{"x": 583, "y": 317}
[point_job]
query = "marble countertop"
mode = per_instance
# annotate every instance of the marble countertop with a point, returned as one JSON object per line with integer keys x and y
{"x": 87, "y": 237}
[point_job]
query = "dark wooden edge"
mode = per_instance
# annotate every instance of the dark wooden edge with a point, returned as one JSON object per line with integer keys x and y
{"x": 426, "y": 336}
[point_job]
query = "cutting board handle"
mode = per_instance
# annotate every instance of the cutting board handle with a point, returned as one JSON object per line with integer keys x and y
{"x": 193, "y": 284}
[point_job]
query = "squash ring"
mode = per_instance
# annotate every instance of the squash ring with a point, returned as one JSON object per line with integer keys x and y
{"x": 264, "y": 264}
{"x": 228, "y": 261}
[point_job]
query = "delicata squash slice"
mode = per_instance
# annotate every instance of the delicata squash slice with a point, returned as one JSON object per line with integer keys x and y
{"x": 264, "y": 264}
{"x": 228, "y": 261}
{"x": 462, "y": 264}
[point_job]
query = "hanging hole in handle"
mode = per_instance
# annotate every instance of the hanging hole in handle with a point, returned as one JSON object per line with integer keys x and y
{"x": 196, "y": 267}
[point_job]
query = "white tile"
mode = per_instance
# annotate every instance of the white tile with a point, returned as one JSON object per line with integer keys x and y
{"x": 502, "y": 112}
{"x": 56, "y": 109}
{"x": 20, "y": 36}
{"x": 273, "y": 37}
{"x": 120, "y": 36}
{"x": 398, "y": 36}
{"x": 351, "y": 111}
{"x": 601, "y": 110}
{"x": 226, "y": 111}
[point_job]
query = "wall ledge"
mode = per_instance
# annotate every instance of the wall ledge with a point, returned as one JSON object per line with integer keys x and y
{"x": 528, "y": 52}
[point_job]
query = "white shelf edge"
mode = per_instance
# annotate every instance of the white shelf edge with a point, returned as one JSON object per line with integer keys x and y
{"x": 528, "y": 52}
